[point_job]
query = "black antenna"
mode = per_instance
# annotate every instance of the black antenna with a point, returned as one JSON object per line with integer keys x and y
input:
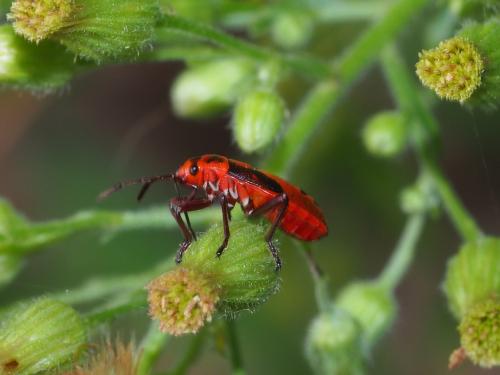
{"x": 145, "y": 181}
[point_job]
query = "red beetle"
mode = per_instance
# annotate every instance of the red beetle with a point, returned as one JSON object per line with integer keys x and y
{"x": 229, "y": 182}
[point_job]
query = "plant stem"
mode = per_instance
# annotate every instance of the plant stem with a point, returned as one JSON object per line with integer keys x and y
{"x": 405, "y": 91}
{"x": 404, "y": 252}
{"x": 325, "y": 96}
{"x": 152, "y": 345}
{"x": 236, "y": 358}
{"x": 190, "y": 355}
{"x": 305, "y": 65}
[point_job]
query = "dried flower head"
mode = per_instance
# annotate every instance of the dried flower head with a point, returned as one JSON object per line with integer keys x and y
{"x": 453, "y": 69}
{"x": 182, "y": 301}
{"x": 36, "y": 20}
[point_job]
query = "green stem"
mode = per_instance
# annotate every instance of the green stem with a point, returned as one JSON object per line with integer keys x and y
{"x": 190, "y": 355}
{"x": 424, "y": 134}
{"x": 324, "y": 97}
{"x": 305, "y": 65}
{"x": 236, "y": 358}
{"x": 404, "y": 252}
{"x": 152, "y": 346}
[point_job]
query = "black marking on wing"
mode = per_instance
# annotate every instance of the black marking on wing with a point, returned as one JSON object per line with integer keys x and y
{"x": 254, "y": 176}
{"x": 214, "y": 158}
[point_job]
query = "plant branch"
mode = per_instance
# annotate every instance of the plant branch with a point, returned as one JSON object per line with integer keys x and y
{"x": 403, "y": 254}
{"x": 305, "y": 65}
{"x": 424, "y": 134}
{"x": 322, "y": 101}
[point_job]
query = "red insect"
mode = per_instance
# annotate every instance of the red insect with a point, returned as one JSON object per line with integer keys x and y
{"x": 228, "y": 181}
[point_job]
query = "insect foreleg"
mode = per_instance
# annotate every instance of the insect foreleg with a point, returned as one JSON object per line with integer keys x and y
{"x": 178, "y": 206}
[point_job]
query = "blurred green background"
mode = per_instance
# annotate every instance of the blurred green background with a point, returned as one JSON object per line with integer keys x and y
{"x": 58, "y": 152}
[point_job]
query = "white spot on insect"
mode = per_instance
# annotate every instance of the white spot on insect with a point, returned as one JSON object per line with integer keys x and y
{"x": 215, "y": 187}
{"x": 205, "y": 185}
{"x": 225, "y": 192}
{"x": 210, "y": 197}
{"x": 233, "y": 192}
{"x": 230, "y": 205}
{"x": 245, "y": 201}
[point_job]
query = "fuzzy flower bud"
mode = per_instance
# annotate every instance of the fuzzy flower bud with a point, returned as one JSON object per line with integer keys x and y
{"x": 292, "y": 29}
{"x": 23, "y": 64}
{"x": 420, "y": 197}
{"x": 480, "y": 333}
{"x": 184, "y": 299}
{"x": 333, "y": 344}
{"x": 258, "y": 118}
{"x": 209, "y": 89}
{"x": 385, "y": 134}
{"x": 40, "y": 336}
{"x": 473, "y": 275}
{"x": 453, "y": 69}
{"x": 92, "y": 29}
{"x": 372, "y": 306}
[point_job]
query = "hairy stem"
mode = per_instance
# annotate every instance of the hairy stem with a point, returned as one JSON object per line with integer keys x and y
{"x": 403, "y": 254}
{"x": 405, "y": 93}
{"x": 152, "y": 346}
{"x": 305, "y": 65}
{"x": 324, "y": 97}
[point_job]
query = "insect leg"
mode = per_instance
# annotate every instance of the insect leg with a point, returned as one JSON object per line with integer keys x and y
{"x": 225, "y": 220}
{"x": 178, "y": 206}
{"x": 186, "y": 216}
{"x": 280, "y": 201}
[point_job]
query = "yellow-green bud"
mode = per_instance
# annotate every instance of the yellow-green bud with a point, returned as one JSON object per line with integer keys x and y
{"x": 292, "y": 29}
{"x": 36, "y": 20}
{"x": 184, "y": 299}
{"x": 372, "y": 306}
{"x": 453, "y": 69}
{"x": 385, "y": 134}
{"x": 257, "y": 120}
{"x": 93, "y": 29}
{"x": 40, "y": 336}
{"x": 333, "y": 344}
{"x": 480, "y": 333}
{"x": 473, "y": 275}
{"x": 420, "y": 197}
{"x": 36, "y": 67}
{"x": 211, "y": 88}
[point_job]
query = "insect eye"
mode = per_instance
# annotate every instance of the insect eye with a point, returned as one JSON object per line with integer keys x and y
{"x": 193, "y": 170}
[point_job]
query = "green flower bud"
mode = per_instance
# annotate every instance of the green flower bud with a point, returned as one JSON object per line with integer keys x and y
{"x": 92, "y": 29}
{"x": 292, "y": 29}
{"x": 40, "y": 336}
{"x": 385, "y": 134}
{"x": 473, "y": 275}
{"x": 184, "y": 299}
{"x": 453, "y": 69}
{"x": 485, "y": 37}
{"x": 333, "y": 344}
{"x": 23, "y": 64}
{"x": 420, "y": 197}
{"x": 209, "y": 89}
{"x": 258, "y": 118}
{"x": 372, "y": 306}
{"x": 480, "y": 333}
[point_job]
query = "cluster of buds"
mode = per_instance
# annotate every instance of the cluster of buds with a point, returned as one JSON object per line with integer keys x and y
{"x": 185, "y": 299}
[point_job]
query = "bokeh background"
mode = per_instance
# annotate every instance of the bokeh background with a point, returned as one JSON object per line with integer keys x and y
{"x": 58, "y": 152}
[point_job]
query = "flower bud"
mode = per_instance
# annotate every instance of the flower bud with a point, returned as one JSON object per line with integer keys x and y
{"x": 372, "y": 306}
{"x": 480, "y": 333}
{"x": 258, "y": 118}
{"x": 420, "y": 197}
{"x": 92, "y": 29}
{"x": 187, "y": 297}
{"x": 385, "y": 134}
{"x": 40, "y": 336}
{"x": 333, "y": 344}
{"x": 292, "y": 29}
{"x": 210, "y": 88}
{"x": 473, "y": 275}
{"x": 453, "y": 69}
{"x": 23, "y": 64}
